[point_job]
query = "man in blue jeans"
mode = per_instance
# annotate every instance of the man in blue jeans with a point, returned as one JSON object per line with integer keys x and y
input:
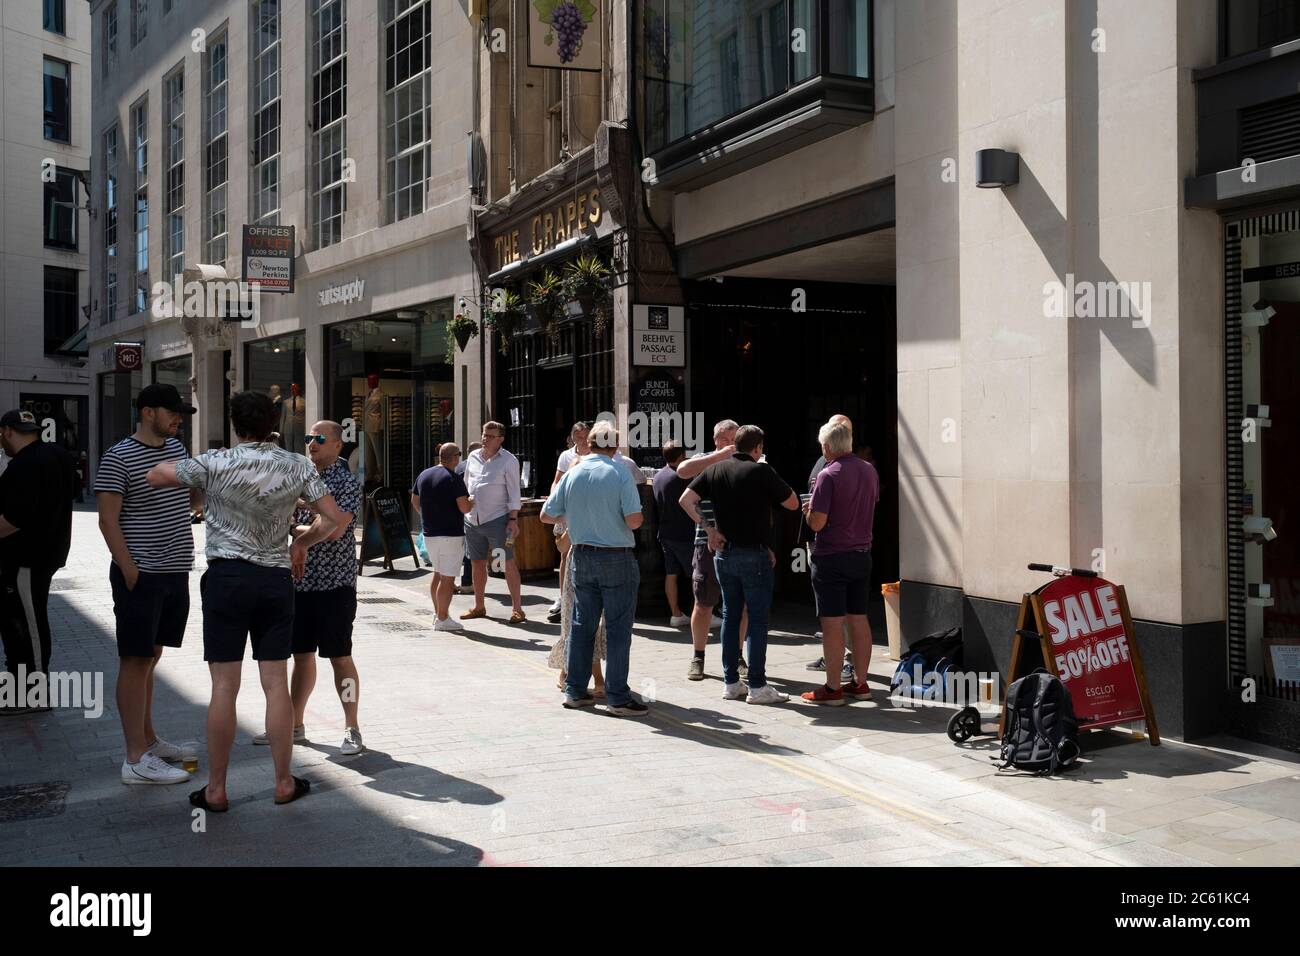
{"x": 743, "y": 490}
{"x": 603, "y": 507}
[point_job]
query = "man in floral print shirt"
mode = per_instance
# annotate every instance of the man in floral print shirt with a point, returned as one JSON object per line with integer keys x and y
{"x": 248, "y": 593}
{"x": 325, "y": 602}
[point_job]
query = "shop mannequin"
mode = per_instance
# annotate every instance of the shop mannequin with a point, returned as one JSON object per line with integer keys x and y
{"x": 373, "y": 426}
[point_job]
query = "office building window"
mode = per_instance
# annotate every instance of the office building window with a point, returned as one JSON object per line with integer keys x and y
{"x": 407, "y": 110}
{"x": 708, "y": 60}
{"x": 58, "y": 100}
{"x": 1254, "y": 24}
{"x": 174, "y": 174}
{"x": 60, "y": 307}
{"x": 140, "y": 206}
{"x": 329, "y": 107}
{"x": 266, "y": 111}
{"x": 61, "y": 210}
{"x": 139, "y": 21}
{"x": 110, "y": 38}
{"x": 110, "y": 225}
{"x": 53, "y": 13}
{"x": 216, "y": 150}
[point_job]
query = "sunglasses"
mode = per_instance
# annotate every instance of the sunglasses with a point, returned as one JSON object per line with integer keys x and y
{"x": 318, "y": 439}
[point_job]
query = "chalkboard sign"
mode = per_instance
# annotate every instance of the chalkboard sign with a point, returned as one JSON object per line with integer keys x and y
{"x": 386, "y": 533}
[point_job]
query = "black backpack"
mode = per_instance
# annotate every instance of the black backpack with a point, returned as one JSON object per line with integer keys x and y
{"x": 935, "y": 647}
{"x": 1042, "y": 734}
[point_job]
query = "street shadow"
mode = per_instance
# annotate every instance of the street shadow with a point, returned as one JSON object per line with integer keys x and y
{"x": 411, "y": 780}
{"x": 512, "y": 643}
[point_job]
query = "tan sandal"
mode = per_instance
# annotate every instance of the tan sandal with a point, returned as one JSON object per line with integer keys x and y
{"x": 599, "y": 692}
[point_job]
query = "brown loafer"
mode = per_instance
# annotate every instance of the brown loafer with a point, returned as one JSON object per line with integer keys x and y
{"x": 474, "y": 613}
{"x": 517, "y": 617}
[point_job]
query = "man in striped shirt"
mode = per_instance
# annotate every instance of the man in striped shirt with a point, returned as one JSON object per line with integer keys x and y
{"x": 148, "y": 532}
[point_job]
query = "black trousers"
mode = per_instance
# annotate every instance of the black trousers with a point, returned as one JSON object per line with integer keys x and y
{"x": 25, "y": 618}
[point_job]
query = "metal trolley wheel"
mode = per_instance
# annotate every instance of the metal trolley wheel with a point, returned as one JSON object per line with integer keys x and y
{"x": 964, "y": 724}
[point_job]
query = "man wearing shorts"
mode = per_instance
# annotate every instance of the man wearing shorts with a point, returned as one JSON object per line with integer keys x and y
{"x": 325, "y": 596}
{"x": 147, "y": 530}
{"x": 841, "y": 512}
{"x": 251, "y": 491}
{"x": 442, "y": 499}
{"x": 676, "y": 533}
{"x": 492, "y": 524}
{"x": 704, "y": 579}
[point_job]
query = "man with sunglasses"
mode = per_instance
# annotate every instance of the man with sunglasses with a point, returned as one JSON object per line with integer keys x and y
{"x": 325, "y": 593}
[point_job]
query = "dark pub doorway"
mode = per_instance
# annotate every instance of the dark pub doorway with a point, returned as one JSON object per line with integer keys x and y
{"x": 756, "y": 360}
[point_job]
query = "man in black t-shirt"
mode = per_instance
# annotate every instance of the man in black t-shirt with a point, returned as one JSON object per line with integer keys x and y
{"x": 744, "y": 491}
{"x": 36, "y": 493}
{"x": 442, "y": 499}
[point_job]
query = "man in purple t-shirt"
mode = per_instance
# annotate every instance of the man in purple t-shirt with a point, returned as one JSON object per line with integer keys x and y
{"x": 841, "y": 512}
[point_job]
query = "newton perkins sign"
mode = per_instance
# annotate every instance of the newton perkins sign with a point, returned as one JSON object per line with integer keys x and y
{"x": 566, "y": 219}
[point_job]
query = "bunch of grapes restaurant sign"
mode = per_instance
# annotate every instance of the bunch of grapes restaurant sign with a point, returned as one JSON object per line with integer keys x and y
{"x": 565, "y": 34}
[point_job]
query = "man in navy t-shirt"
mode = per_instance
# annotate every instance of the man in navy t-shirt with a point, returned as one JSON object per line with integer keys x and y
{"x": 440, "y": 495}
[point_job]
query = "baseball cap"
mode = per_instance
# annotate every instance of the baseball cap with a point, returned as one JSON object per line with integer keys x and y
{"x": 163, "y": 396}
{"x": 21, "y": 419}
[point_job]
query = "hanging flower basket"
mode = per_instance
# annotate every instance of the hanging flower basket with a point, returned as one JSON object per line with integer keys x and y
{"x": 586, "y": 283}
{"x": 506, "y": 319}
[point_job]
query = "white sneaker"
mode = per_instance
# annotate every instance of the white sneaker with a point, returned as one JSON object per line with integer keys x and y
{"x": 152, "y": 769}
{"x": 448, "y": 624}
{"x": 165, "y": 750}
{"x": 351, "y": 742}
{"x": 299, "y": 737}
{"x": 555, "y": 608}
{"x": 736, "y": 691}
{"x": 679, "y": 620}
{"x": 715, "y": 622}
{"x": 767, "y": 694}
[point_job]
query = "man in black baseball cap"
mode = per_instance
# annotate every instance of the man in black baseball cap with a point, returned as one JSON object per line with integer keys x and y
{"x": 36, "y": 493}
{"x": 147, "y": 531}
{"x": 163, "y": 396}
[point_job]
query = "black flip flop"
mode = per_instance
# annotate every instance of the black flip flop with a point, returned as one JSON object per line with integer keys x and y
{"x": 301, "y": 788}
{"x": 199, "y": 798}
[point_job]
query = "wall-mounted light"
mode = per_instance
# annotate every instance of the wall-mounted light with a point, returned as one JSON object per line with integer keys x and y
{"x": 996, "y": 168}
{"x": 1258, "y": 529}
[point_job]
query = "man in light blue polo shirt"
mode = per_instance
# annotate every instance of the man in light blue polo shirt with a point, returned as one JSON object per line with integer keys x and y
{"x": 602, "y": 506}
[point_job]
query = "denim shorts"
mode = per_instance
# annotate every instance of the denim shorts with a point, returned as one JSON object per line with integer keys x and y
{"x": 842, "y": 583}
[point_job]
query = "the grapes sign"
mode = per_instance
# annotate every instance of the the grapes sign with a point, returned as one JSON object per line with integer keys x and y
{"x": 565, "y": 34}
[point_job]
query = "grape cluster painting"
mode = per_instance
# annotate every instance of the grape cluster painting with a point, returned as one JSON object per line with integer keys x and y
{"x": 565, "y": 34}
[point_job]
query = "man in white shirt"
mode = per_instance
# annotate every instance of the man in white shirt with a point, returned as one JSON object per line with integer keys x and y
{"x": 492, "y": 477}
